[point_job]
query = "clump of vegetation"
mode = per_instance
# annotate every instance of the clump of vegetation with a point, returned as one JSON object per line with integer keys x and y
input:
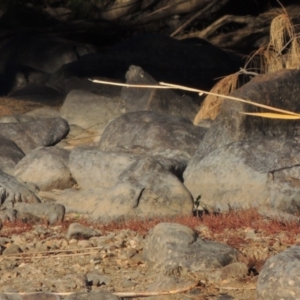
{"x": 282, "y": 52}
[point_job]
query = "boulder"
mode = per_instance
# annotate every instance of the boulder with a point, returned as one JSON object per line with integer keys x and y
{"x": 279, "y": 89}
{"x": 241, "y": 159}
{"x": 90, "y": 111}
{"x": 36, "y": 212}
{"x": 140, "y": 189}
{"x": 248, "y": 174}
{"x": 155, "y": 134}
{"x": 30, "y": 135}
{"x": 46, "y": 167}
{"x": 279, "y": 277}
{"x": 93, "y": 168}
{"x": 10, "y": 155}
{"x": 163, "y": 101}
{"x": 171, "y": 245}
{"x": 78, "y": 231}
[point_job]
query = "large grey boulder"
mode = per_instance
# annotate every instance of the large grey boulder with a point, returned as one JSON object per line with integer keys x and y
{"x": 10, "y": 155}
{"x": 124, "y": 187}
{"x": 279, "y": 89}
{"x": 163, "y": 101}
{"x": 93, "y": 168}
{"x": 171, "y": 245}
{"x": 155, "y": 134}
{"x": 279, "y": 277}
{"x": 47, "y": 167}
{"x": 246, "y": 161}
{"x": 248, "y": 174}
{"x": 90, "y": 111}
{"x": 37, "y": 212}
{"x": 30, "y": 135}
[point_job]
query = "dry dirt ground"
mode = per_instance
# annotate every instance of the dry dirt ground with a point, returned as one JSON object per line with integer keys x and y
{"x": 117, "y": 254}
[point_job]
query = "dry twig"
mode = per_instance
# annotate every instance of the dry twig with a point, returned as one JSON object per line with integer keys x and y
{"x": 129, "y": 294}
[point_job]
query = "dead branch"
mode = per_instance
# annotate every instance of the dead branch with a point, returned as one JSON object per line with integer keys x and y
{"x": 210, "y": 8}
{"x": 208, "y": 31}
{"x": 170, "y": 8}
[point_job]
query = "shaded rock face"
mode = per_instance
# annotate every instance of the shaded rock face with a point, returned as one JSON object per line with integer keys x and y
{"x": 30, "y": 135}
{"x": 279, "y": 277}
{"x": 163, "y": 101}
{"x": 170, "y": 245}
{"x": 166, "y": 59}
{"x": 249, "y": 174}
{"x": 38, "y": 93}
{"x": 174, "y": 61}
{"x": 10, "y": 155}
{"x": 280, "y": 89}
{"x": 94, "y": 168}
{"x": 119, "y": 185}
{"x": 30, "y": 58}
{"x": 90, "y": 111}
{"x": 46, "y": 167}
{"x": 40, "y": 53}
{"x": 36, "y": 212}
{"x": 153, "y": 134}
{"x": 245, "y": 160}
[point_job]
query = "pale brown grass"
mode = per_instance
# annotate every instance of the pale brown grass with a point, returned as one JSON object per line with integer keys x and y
{"x": 282, "y": 52}
{"x": 210, "y": 107}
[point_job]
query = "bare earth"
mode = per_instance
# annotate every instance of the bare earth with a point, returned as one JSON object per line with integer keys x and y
{"x": 45, "y": 261}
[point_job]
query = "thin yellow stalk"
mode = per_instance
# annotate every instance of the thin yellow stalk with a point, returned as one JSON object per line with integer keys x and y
{"x": 164, "y": 85}
{"x": 272, "y": 116}
{"x": 180, "y": 87}
{"x": 144, "y": 86}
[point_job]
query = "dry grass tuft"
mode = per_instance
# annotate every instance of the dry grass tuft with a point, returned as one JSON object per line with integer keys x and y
{"x": 281, "y": 31}
{"x": 282, "y": 52}
{"x": 210, "y": 107}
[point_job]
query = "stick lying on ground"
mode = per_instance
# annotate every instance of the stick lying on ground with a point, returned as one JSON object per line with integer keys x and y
{"x": 127, "y": 294}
